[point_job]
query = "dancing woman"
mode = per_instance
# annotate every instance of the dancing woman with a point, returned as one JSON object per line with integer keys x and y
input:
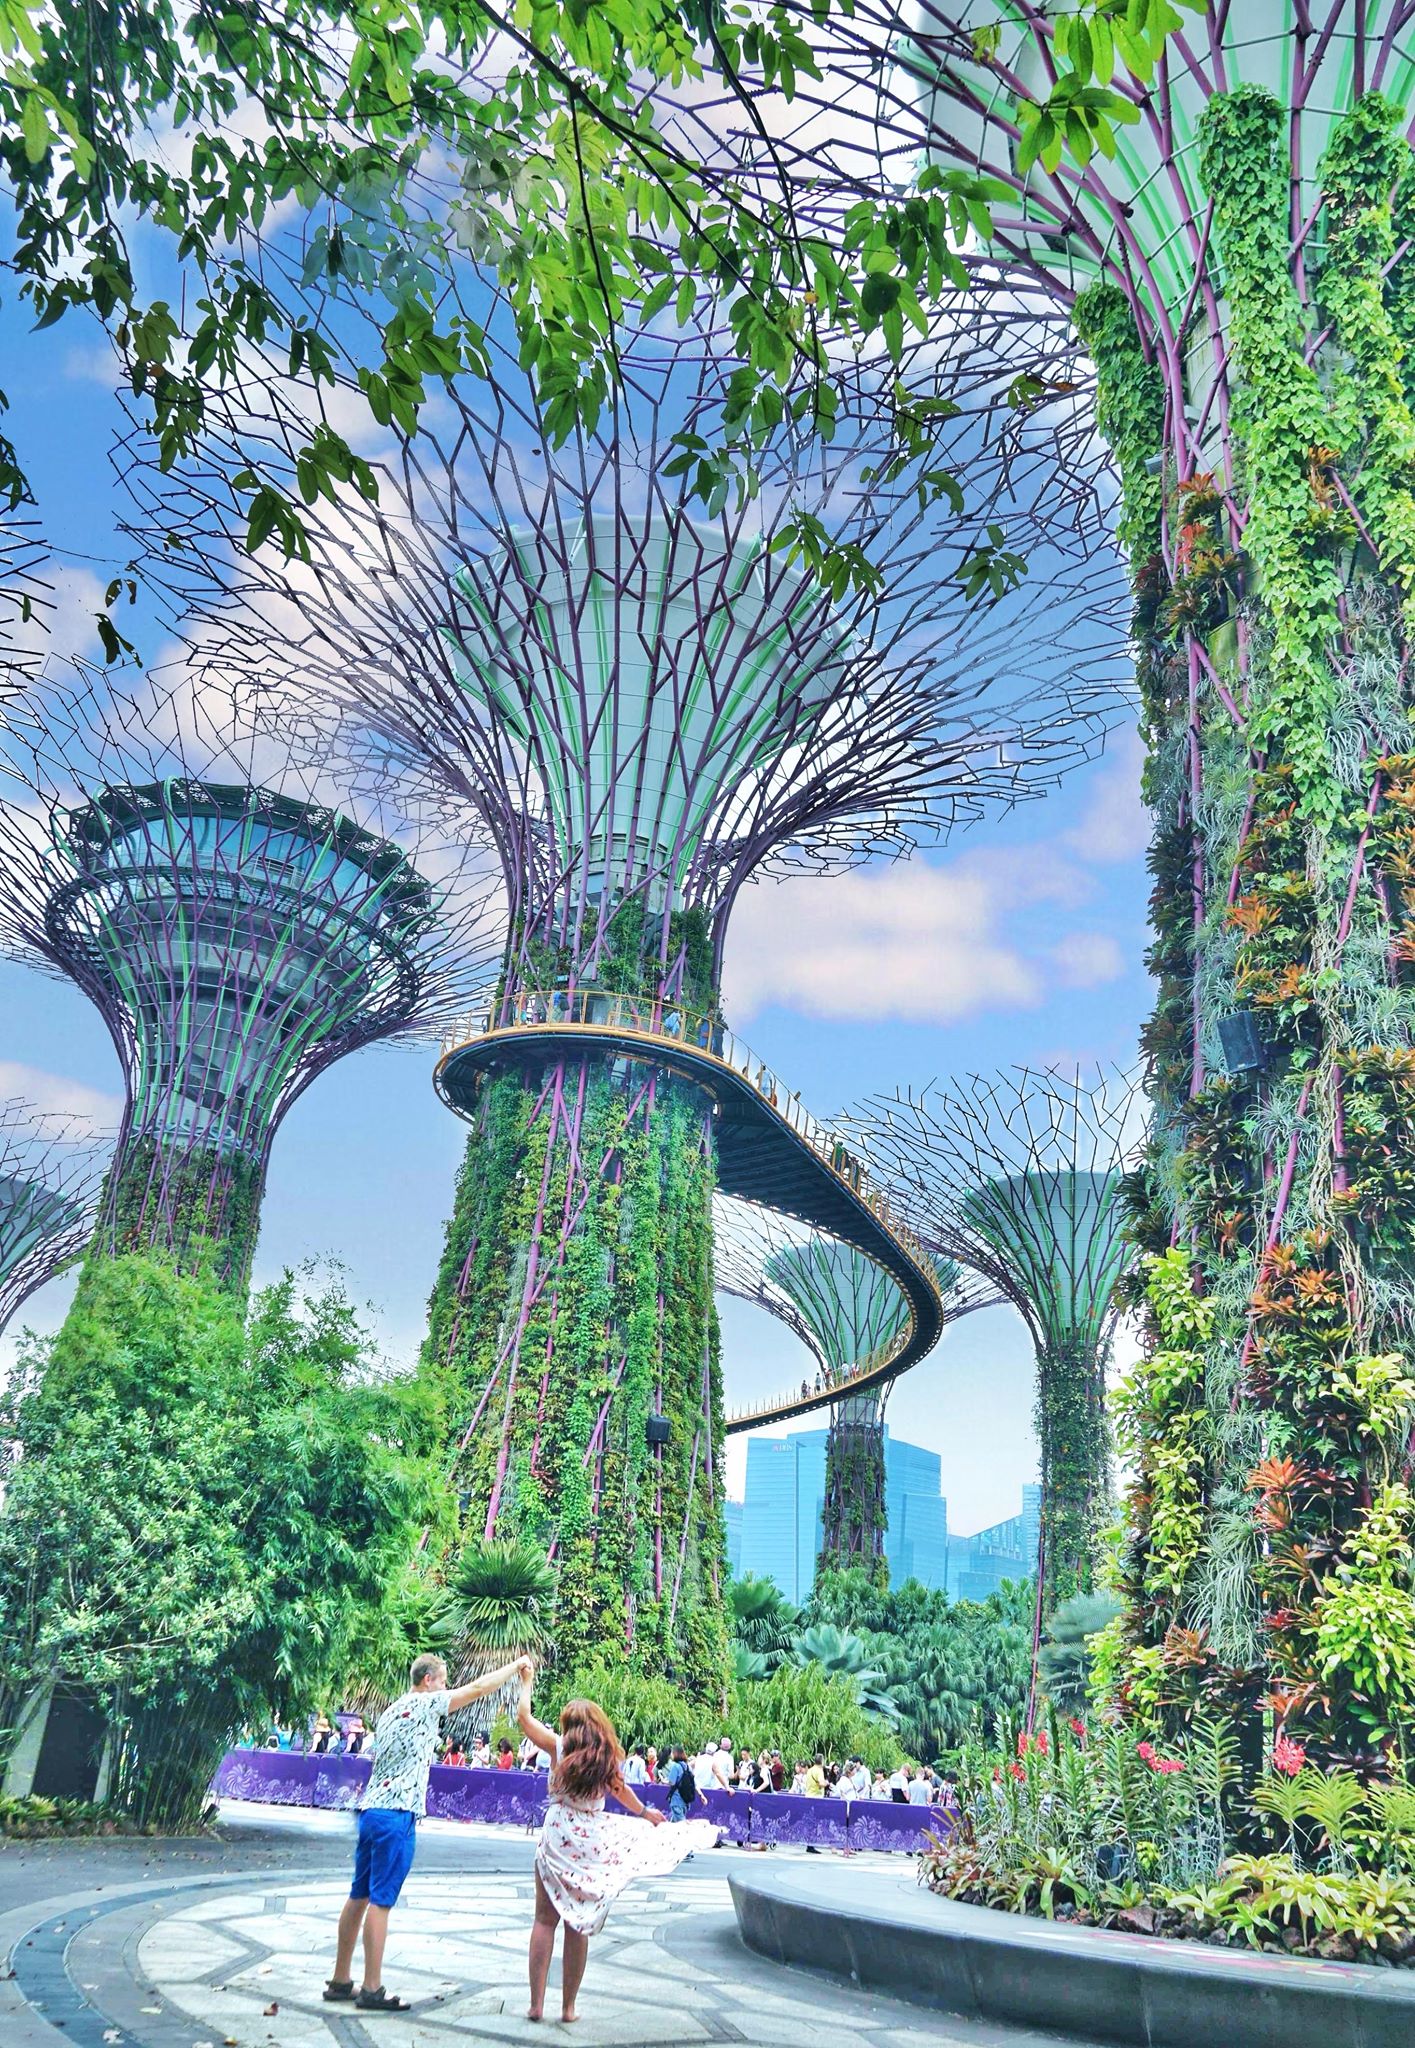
{"x": 585, "y": 1856}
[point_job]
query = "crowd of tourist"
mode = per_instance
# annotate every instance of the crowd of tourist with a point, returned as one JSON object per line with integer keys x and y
{"x": 717, "y": 1768}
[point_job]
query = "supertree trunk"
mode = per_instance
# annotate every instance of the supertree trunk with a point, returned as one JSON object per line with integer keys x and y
{"x": 855, "y": 1514}
{"x": 1075, "y": 1466}
{"x": 575, "y": 1303}
{"x": 1228, "y": 213}
{"x": 1271, "y": 1520}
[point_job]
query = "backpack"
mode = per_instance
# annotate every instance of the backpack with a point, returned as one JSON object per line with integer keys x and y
{"x": 687, "y": 1788}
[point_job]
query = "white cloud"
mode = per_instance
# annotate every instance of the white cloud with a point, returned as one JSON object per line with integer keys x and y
{"x": 1115, "y": 826}
{"x": 913, "y": 941}
{"x": 60, "y": 1095}
{"x": 1086, "y": 959}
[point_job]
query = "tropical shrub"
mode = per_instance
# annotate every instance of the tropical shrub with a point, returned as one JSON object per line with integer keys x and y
{"x": 200, "y": 1518}
{"x": 1102, "y": 1828}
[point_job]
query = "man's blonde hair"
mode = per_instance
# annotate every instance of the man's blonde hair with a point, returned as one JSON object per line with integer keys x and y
{"x": 424, "y": 1666}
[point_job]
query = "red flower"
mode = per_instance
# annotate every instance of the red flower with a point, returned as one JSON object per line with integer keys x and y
{"x": 1288, "y": 1756}
{"x": 1145, "y": 1750}
{"x": 1042, "y": 1743}
{"x": 1017, "y": 1770}
{"x": 1078, "y": 1728}
{"x": 1024, "y": 1743}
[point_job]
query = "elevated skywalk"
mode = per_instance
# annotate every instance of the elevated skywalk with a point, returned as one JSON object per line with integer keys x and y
{"x": 769, "y": 1148}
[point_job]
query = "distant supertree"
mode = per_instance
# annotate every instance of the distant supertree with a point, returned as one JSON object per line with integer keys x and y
{"x": 646, "y": 702}
{"x": 1018, "y": 1176}
{"x": 850, "y": 1313}
{"x": 236, "y": 933}
{"x": 51, "y": 1170}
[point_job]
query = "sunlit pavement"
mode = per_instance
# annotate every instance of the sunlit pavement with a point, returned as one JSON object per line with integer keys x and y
{"x": 226, "y": 1943}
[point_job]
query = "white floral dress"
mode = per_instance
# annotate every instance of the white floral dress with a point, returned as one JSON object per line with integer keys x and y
{"x": 585, "y": 1857}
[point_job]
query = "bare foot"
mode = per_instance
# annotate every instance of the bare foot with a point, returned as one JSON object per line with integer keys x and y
{"x": 568, "y": 2019}
{"x": 534, "y": 2015}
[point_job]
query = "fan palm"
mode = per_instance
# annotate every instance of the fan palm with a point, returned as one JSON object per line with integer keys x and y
{"x": 763, "y": 1619}
{"x": 500, "y": 1605}
{"x": 841, "y": 1654}
{"x": 1064, "y": 1662}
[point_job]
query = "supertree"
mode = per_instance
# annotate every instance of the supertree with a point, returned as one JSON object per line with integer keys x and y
{"x": 51, "y": 1169}
{"x": 236, "y": 932}
{"x": 1019, "y": 1176}
{"x": 646, "y": 702}
{"x": 1226, "y": 206}
{"x": 850, "y": 1314}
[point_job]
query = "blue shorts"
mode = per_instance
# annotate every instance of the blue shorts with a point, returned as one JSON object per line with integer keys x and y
{"x": 387, "y": 1839}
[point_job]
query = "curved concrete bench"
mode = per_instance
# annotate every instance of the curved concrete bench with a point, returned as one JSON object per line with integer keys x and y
{"x": 885, "y": 1934}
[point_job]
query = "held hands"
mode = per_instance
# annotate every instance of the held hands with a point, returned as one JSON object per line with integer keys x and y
{"x": 525, "y": 1670}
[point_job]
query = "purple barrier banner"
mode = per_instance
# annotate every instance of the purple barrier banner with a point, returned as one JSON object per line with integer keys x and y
{"x": 790, "y": 1817}
{"x": 281, "y": 1777}
{"x": 885, "y": 1824}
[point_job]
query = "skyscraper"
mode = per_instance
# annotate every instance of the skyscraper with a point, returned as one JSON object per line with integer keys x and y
{"x": 785, "y": 1492}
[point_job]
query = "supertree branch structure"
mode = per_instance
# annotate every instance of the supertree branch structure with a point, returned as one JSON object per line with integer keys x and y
{"x": 645, "y": 703}
{"x": 850, "y": 1313}
{"x": 1018, "y": 1176}
{"x": 51, "y": 1172}
{"x": 235, "y": 931}
{"x": 1241, "y": 268}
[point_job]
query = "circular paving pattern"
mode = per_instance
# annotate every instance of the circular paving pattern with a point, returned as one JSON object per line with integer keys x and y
{"x": 241, "y": 1964}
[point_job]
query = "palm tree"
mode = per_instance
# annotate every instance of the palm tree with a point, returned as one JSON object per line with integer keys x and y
{"x": 840, "y": 1654}
{"x": 1064, "y": 1662}
{"x": 500, "y": 1600}
{"x": 763, "y": 1620}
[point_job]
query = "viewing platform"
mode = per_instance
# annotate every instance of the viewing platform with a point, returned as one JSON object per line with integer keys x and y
{"x": 769, "y": 1147}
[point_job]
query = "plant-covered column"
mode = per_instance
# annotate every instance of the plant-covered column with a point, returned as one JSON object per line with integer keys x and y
{"x": 854, "y": 1512}
{"x": 1271, "y": 1524}
{"x": 236, "y": 937}
{"x": 574, "y": 1337}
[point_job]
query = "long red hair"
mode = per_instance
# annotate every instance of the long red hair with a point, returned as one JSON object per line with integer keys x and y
{"x": 591, "y": 1754}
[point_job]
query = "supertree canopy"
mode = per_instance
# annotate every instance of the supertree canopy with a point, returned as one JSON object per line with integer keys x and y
{"x": 51, "y": 1168}
{"x": 236, "y": 933}
{"x": 646, "y": 701}
{"x": 1230, "y": 223}
{"x": 851, "y": 1315}
{"x": 1019, "y": 1176}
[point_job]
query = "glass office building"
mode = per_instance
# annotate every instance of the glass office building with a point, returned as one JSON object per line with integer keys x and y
{"x": 979, "y": 1564}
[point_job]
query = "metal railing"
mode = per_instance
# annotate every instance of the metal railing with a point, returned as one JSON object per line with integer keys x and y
{"x": 705, "y": 1035}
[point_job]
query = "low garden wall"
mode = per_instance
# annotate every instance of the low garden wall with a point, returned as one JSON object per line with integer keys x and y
{"x": 517, "y": 1799}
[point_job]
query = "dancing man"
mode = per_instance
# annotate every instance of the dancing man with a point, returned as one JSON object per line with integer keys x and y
{"x": 404, "y": 1744}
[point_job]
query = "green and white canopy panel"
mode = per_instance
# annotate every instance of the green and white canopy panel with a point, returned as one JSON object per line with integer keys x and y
{"x": 229, "y": 933}
{"x": 650, "y": 676}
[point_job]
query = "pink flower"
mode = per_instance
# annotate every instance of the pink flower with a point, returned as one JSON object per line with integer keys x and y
{"x": 1145, "y": 1750}
{"x": 1024, "y": 1743}
{"x": 1042, "y": 1744}
{"x": 1017, "y": 1770}
{"x": 1288, "y": 1756}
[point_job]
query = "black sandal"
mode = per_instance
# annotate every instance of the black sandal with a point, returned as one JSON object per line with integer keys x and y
{"x": 381, "y": 2001}
{"x": 340, "y": 1990}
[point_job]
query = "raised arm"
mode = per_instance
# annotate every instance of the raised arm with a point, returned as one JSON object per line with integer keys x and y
{"x": 480, "y": 1687}
{"x": 629, "y": 1798}
{"x": 540, "y": 1735}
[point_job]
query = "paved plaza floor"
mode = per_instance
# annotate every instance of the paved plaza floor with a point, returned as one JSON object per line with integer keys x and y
{"x": 226, "y": 1944}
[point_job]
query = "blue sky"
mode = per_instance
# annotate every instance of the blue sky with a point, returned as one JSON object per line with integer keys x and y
{"x": 1020, "y": 941}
